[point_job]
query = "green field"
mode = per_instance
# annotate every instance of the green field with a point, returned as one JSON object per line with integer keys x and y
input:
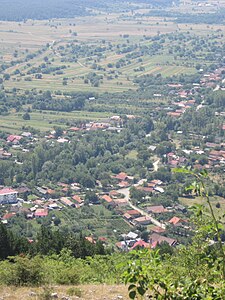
{"x": 21, "y": 39}
{"x": 45, "y": 121}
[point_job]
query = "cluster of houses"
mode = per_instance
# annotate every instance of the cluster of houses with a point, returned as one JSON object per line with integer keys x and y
{"x": 155, "y": 237}
{"x": 214, "y": 158}
{"x": 185, "y": 97}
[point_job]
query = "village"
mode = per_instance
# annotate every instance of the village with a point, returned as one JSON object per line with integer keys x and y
{"x": 147, "y": 225}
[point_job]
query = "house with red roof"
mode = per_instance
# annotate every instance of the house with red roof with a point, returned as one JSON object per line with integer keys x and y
{"x": 140, "y": 244}
{"x": 133, "y": 213}
{"x": 8, "y": 216}
{"x": 66, "y": 201}
{"x": 108, "y": 200}
{"x": 144, "y": 220}
{"x": 41, "y": 213}
{"x": 15, "y": 139}
{"x": 77, "y": 199}
{"x": 156, "y": 209}
{"x": 156, "y": 239}
{"x": 177, "y": 221}
{"x": 121, "y": 176}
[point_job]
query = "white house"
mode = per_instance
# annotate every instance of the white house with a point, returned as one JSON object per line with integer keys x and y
{"x": 8, "y": 196}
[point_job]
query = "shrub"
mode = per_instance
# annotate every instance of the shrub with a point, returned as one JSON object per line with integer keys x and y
{"x": 74, "y": 291}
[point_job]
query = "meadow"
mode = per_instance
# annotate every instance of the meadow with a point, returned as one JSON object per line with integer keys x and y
{"x": 45, "y": 121}
{"x": 19, "y": 41}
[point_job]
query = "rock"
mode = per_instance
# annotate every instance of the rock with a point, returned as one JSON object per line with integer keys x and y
{"x": 119, "y": 297}
{"x": 65, "y": 298}
{"x": 54, "y": 295}
{"x": 32, "y": 294}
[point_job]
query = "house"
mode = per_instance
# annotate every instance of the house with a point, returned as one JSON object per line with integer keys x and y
{"x": 131, "y": 235}
{"x": 121, "y": 176}
{"x": 156, "y": 239}
{"x": 140, "y": 244}
{"x": 8, "y": 216}
{"x": 41, "y": 213}
{"x": 67, "y": 202}
{"x": 177, "y": 221}
{"x": 90, "y": 239}
{"x": 144, "y": 220}
{"x": 121, "y": 202}
{"x": 123, "y": 184}
{"x": 77, "y": 199}
{"x": 157, "y": 229}
{"x": 145, "y": 189}
{"x": 15, "y": 139}
{"x": 133, "y": 213}
{"x": 157, "y": 209}
{"x": 8, "y": 196}
{"x": 108, "y": 200}
{"x": 4, "y": 154}
{"x": 26, "y": 134}
{"x": 127, "y": 217}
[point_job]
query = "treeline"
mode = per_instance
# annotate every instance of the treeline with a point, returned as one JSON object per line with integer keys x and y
{"x": 44, "y": 101}
{"x": 188, "y": 18}
{"x": 47, "y": 242}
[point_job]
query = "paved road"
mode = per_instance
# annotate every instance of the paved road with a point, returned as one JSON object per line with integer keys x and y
{"x": 126, "y": 193}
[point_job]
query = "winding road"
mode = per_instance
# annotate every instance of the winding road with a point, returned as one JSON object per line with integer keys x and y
{"x": 126, "y": 193}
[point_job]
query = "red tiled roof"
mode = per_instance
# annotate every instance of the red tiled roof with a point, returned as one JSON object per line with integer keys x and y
{"x": 133, "y": 212}
{"x": 40, "y": 212}
{"x": 141, "y": 244}
{"x": 12, "y": 138}
{"x": 107, "y": 198}
{"x": 7, "y": 191}
{"x": 77, "y": 198}
{"x": 158, "y": 239}
{"x": 176, "y": 220}
{"x": 121, "y": 176}
{"x": 157, "y": 209}
{"x": 8, "y": 216}
{"x": 157, "y": 229}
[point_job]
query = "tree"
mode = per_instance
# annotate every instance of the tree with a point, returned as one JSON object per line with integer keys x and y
{"x": 26, "y": 116}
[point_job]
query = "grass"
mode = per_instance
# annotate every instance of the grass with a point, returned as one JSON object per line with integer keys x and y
{"x": 132, "y": 154}
{"x": 219, "y": 212}
{"x": 45, "y": 121}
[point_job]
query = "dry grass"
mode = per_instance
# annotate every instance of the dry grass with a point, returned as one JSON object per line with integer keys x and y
{"x": 88, "y": 292}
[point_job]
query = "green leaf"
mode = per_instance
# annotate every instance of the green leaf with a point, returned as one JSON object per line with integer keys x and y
{"x": 132, "y": 294}
{"x": 131, "y": 287}
{"x": 141, "y": 290}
